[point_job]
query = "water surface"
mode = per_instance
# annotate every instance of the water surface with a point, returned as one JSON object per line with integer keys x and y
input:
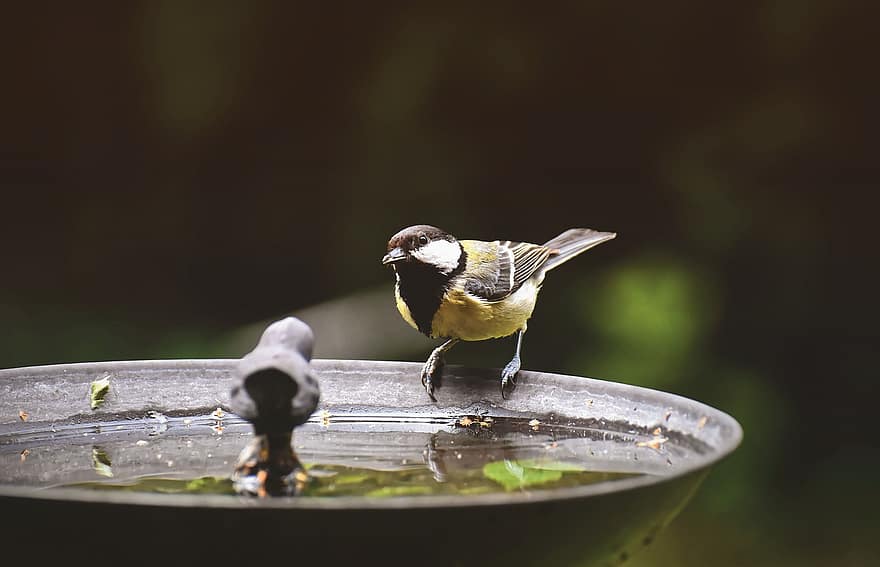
{"x": 350, "y": 454}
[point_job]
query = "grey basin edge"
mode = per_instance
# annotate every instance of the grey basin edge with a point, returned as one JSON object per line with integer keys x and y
{"x": 462, "y": 388}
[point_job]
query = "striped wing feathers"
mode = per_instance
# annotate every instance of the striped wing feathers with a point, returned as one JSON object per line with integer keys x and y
{"x": 497, "y": 269}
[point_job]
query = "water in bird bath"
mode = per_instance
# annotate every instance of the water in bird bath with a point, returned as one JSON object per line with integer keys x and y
{"x": 349, "y": 454}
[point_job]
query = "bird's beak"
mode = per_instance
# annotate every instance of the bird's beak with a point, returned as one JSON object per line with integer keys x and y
{"x": 395, "y": 255}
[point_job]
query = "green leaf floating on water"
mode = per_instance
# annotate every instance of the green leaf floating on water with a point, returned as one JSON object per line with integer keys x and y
{"x": 97, "y": 390}
{"x": 513, "y": 475}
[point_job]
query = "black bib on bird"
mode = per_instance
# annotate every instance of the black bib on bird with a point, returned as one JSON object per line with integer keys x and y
{"x": 422, "y": 288}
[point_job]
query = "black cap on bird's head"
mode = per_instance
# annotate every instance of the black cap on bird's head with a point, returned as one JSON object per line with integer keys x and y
{"x": 424, "y": 244}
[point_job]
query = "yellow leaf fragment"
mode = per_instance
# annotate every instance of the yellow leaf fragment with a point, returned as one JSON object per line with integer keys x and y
{"x": 98, "y": 390}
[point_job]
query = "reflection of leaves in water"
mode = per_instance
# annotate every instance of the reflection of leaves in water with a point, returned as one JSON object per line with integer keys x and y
{"x": 208, "y": 485}
{"x": 345, "y": 481}
{"x": 514, "y": 474}
{"x": 480, "y": 489}
{"x": 387, "y": 491}
{"x": 350, "y": 479}
{"x": 334, "y": 480}
{"x": 101, "y": 462}
{"x": 202, "y": 485}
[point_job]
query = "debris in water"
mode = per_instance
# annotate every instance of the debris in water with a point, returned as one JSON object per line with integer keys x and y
{"x": 22, "y": 415}
{"x": 158, "y": 416}
{"x": 161, "y": 423}
{"x": 656, "y": 443}
{"x": 468, "y": 420}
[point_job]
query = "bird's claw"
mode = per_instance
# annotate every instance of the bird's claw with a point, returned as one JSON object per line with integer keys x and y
{"x": 430, "y": 374}
{"x": 508, "y": 376}
{"x": 429, "y": 385}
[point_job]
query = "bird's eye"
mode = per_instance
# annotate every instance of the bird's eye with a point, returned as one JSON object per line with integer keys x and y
{"x": 423, "y": 239}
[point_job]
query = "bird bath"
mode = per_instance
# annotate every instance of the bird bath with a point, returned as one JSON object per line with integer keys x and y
{"x": 647, "y": 452}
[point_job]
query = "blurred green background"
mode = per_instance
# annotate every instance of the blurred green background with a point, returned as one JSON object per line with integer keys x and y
{"x": 175, "y": 175}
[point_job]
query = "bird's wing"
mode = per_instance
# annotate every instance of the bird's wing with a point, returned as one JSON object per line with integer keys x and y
{"x": 497, "y": 269}
{"x": 527, "y": 259}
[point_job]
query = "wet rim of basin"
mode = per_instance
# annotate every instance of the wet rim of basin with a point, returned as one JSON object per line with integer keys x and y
{"x": 154, "y": 385}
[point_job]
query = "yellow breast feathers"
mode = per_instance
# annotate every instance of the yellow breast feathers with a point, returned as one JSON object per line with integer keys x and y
{"x": 469, "y": 318}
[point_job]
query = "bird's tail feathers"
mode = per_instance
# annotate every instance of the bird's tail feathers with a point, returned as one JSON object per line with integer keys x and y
{"x": 572, "y": 242}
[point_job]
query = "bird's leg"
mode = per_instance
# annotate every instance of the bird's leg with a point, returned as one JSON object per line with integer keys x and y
{"x": 508, "y": 375}
{"x": 431, "y": 369}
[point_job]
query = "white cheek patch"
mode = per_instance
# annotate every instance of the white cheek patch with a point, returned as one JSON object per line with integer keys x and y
{"x": 440, "y": 253}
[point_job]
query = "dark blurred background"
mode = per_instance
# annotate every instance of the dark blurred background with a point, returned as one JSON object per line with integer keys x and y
{"x": 175, "y": 175}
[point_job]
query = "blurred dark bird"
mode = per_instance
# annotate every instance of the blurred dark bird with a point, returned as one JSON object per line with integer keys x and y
{"x": 275, "y": 387}
{"x": 470, "y": 290}
{"x": 275, "y": 390}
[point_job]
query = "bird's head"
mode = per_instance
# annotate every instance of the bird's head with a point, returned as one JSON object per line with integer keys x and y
{"x": 424, "y": 245}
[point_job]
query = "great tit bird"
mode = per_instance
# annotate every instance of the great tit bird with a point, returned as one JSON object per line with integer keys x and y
{"x": 471, "y": 290}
